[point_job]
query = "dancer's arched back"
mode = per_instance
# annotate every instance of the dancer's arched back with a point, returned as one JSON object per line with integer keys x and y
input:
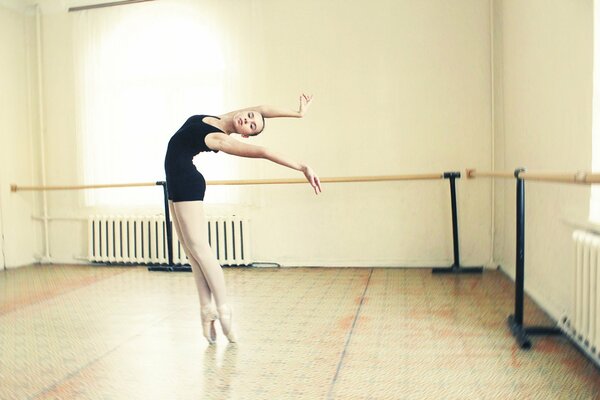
{"x": 186, "y": 187}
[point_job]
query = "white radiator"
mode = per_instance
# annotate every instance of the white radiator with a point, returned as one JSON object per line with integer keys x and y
{"x": 583, "y": 325}
{"x": 143, "y": 240}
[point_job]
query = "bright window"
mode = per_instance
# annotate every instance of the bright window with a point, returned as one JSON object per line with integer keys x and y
{"x": 141, "y": 71}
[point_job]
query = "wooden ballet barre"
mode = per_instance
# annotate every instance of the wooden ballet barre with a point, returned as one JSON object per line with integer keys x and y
{"x": 381, "y": 178}
{"x": 580, "y": 177}
{"x": 17, "y": 188}
{"x": 378, "y": 178}
{"x": 471, "y": 173}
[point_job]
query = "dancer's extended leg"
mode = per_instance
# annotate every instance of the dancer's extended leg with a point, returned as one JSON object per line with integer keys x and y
{"x": 192, "y": 223}
{"x": 204, "y": 292}
{"x": 208, "y": 312}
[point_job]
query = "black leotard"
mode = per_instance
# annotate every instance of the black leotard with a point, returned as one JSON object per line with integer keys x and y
{"x": 184, "y": 181}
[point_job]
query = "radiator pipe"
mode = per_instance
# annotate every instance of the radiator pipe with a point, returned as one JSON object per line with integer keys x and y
{"x": 42, "y": 126}
{"x": 492, "y": 130}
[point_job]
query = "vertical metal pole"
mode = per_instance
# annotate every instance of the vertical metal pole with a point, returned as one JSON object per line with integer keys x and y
{"x": 167, "y": 222}
{"x": 515, "y": 322}
{"x": 520, "y": 262}
{"x": 454, "y": 220}
{"x": 455, "y": 268}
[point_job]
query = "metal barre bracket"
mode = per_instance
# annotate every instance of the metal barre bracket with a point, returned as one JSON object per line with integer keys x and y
{"x": 449, "y": 175}
{"x": 518, "y": 171}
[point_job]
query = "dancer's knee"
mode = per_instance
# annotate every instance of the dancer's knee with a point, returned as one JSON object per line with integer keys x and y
{"x": 200, "y": 251}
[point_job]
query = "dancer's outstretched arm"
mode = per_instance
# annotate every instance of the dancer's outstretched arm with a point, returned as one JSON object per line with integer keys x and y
{"x": 268, "y": 111}
{"x": 227, "y": 144}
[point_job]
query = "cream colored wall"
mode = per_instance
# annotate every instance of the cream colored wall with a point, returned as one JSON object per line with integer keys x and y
{"x": 400, "y": 86}
{"x": 543, "y": 122}
{"x": 20, "y": 238}
{"x": 68, "y": 238}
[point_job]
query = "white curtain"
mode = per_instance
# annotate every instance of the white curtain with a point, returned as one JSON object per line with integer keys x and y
{"x": 141, "y": 71}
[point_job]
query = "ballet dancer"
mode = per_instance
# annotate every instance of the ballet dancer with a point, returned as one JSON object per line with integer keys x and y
{"x": 186, "y": 187}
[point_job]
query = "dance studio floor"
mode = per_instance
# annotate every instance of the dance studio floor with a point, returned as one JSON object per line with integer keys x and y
{"x": 80, "y": 332}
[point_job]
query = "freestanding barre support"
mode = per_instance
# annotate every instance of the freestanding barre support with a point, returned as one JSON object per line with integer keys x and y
{"x": 455, "y": 268}
{"x": 168, "y": 226}
{"x": 170, "y": 267}
{"x": 515, "y": 321}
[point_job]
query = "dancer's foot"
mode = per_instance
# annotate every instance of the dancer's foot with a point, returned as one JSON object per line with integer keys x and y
{"x": 209, "y": 316}
{"x": 225, "y": 316}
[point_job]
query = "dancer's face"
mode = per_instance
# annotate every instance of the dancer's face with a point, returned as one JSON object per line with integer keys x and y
{"x": 248, "y": 123}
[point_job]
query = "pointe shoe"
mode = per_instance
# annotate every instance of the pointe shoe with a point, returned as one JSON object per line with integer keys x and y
{"x": 209, "y": 316}
{"x": 225, "y": 316}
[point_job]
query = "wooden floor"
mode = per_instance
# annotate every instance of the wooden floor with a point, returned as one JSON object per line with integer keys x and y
{"x": 81, "y": 332}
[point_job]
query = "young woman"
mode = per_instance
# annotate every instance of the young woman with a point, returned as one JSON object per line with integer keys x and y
{"x": 186, "y": 187}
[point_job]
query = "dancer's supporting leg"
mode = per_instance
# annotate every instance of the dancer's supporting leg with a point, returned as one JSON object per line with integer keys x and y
{"x": 192, "y": 223}
{"x": 207, "y": 310}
